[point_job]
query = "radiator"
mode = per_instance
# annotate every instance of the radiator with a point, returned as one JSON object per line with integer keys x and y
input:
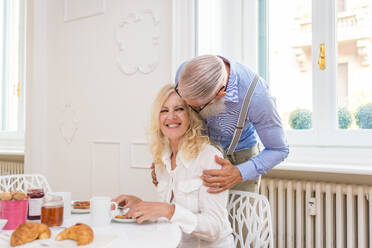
{"x": 319, "y": 214}
{"x": 10, "y": 167}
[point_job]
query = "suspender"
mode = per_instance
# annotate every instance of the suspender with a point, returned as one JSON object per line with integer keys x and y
{"x": 242, "y": 116}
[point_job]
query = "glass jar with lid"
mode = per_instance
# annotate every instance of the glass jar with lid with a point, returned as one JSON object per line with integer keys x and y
{"x": 52, "y": 210}
{"x": 35, "y": 200}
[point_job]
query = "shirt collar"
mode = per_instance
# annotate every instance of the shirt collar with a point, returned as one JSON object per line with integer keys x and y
{"x": 232, "y": 85}
{"x": 180, "y": 159}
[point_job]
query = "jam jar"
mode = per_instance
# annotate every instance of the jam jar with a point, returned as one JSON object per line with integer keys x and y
{"x": 52, "y": 210}
{"x": 35, "y": 200}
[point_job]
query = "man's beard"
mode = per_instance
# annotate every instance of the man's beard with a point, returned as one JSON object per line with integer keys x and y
{"x": 214, "y": 109}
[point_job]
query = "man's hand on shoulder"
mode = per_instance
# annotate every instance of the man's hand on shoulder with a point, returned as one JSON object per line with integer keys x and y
{"x": 225, "y": 178}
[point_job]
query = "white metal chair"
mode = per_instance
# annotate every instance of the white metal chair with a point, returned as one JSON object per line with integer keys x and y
{"x": 250, "y": 218}
{"x": 23, "y": 182}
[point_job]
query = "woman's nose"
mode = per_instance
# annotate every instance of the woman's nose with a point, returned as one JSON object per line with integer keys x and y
{"x": 172, "y": 115}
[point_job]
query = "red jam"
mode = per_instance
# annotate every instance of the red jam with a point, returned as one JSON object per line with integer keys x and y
{"x": 35, "y": 200}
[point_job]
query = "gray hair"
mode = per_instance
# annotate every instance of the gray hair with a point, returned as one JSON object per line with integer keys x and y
{"x": 201, "y": 76}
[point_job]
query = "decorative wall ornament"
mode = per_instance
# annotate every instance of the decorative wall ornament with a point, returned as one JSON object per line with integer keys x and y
{"x": 68, "y": 124}
{"x": 137, "y": 37}
{"x": 78, "y": 9}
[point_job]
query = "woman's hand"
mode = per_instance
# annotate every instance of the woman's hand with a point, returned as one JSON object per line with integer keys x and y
{"x": 127, "y": 201}
{"x": 149, "y": 210}
{"x": 153, "y": 175}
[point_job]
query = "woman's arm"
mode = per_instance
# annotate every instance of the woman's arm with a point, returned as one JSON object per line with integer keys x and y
{"x": 212, "y": 218}
{"x": 209, "y": 222}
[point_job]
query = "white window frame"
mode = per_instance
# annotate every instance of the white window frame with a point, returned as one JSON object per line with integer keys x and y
{"x": 325, "y": 143}
{"x": 12, "y": 142}
{"x": 325, "y": 131}
{"x": 325, "y": 147}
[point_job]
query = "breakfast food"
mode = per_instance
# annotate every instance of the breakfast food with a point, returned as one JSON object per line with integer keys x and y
{"x": 79, "y": 232}
{"x": 18, "y": 195}
{"x": 28, "y": 232}
{"x": 81, "y": 205}
{"x": 5, "y": 196}
{"x": 15, "y": 195}
{"x": 122, "y": 217}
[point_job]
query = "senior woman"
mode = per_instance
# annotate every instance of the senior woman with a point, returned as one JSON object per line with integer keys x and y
{"x": 181, "y": 152}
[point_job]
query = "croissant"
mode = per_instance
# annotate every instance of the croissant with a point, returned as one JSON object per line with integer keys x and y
{"x": 29, "y": 231}
{"x": 79, "y": 232}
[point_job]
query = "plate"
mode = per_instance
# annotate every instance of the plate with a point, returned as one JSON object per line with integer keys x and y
{"x": 124, "y": 220}
{"x": 122, "y": 211}
{"x": 80, "y": 211}
{"x": 3, "y": 223}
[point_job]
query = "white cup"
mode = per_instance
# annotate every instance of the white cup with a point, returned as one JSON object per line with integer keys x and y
{"x": 66, "y": 196}
{"x": 100, "y": 210}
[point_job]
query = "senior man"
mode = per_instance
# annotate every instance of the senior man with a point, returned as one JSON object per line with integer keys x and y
{"x": 238, "y": 109}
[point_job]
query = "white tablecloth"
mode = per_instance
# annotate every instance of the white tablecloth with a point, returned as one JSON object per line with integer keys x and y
{"x": 151, "y": 234}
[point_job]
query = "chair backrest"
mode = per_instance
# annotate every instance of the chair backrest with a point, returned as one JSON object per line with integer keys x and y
{"x": 23, "y": 182}
{"x": 250, "y": 218}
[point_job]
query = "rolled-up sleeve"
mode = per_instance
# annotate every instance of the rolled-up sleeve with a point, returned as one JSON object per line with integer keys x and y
{"x": 212, "y": 214}
{"x": 266, "y": 120}
{"x": 211, "y": 220}
{"x": 184, "y": 218}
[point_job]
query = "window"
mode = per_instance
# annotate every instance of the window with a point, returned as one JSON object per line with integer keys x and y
{"x": 12, "y": 50}
{"x": 290, "y": 62}
{"x": 281, "y": 40}
{"x": 324, "y": 107}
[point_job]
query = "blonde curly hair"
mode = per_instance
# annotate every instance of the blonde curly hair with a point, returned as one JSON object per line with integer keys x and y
{"x": 192, "y": 142}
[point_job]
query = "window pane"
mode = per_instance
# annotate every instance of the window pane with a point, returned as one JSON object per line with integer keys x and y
{"x": 9, "y": 64}
{"x": 219, "y": 28}
{"x": 290, "y": 61}
{"x": 354, "y": 76}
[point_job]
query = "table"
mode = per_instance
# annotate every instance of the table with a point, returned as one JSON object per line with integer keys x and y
{"x": 154, "y": 234}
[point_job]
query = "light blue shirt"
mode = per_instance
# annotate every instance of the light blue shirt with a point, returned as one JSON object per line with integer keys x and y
{"x": 262, "y": 120}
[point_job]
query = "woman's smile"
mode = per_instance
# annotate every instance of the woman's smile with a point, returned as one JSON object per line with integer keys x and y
{"x": 173, "y": 125}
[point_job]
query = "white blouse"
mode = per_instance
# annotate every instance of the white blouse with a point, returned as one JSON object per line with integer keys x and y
{"x": 202, "y": 216}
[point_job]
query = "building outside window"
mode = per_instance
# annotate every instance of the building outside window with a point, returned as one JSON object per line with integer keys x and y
{"x": 291, "y": 53}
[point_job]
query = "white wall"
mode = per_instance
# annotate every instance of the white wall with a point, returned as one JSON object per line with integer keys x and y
{"x": 83, "y": 112}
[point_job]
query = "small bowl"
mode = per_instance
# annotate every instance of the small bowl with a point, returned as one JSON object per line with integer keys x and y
{"x": 3, "y": 223}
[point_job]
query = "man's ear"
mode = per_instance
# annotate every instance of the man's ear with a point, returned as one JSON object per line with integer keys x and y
{"x": 221, "y": 94}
